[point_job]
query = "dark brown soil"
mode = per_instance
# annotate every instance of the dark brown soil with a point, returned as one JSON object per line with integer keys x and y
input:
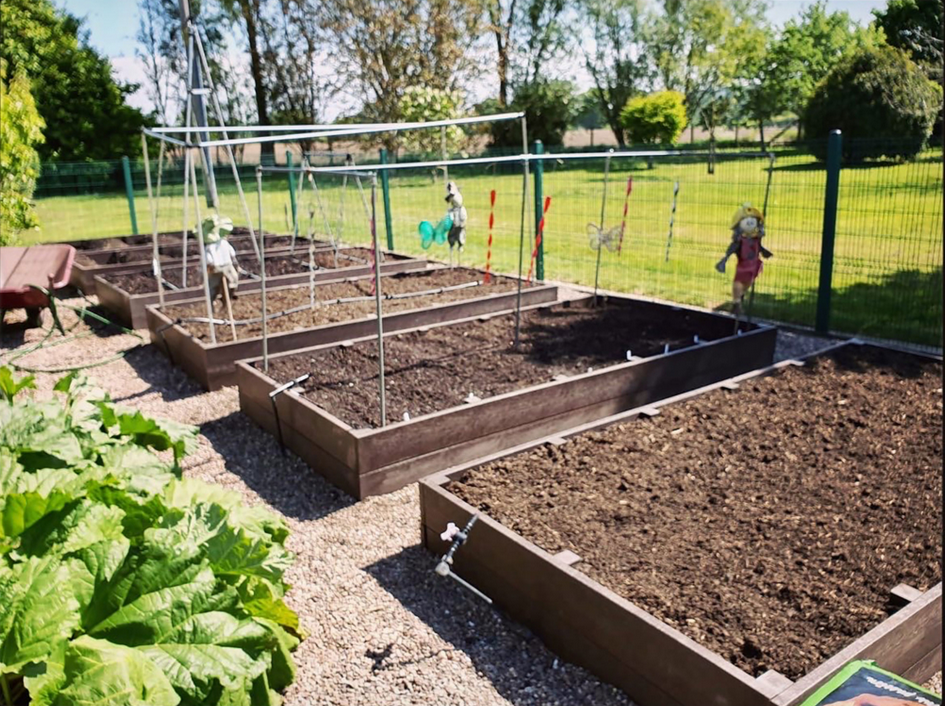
{"x": 171, "y": 247}
{"x": 767, "y": 523}
{"x": 437, "y": 369}
{"x": 248, "y": 306}
{"x": 144, "y": 282}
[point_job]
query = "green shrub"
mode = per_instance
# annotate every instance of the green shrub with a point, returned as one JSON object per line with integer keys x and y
{"x": 658, "y": 118}
{"x": 120, "y": 581}
{"x": 21, "y": 129}
{"x": 549, "y": 108}
{"x": 880, "y": 100}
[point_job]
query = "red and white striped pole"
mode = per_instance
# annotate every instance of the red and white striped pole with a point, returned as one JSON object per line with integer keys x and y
{"x": 488, "y": 277}
{"x": 623, "y": 223}
{"x": 541, "y": 229}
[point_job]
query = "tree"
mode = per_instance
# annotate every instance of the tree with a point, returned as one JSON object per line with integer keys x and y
{"x": 549, "y": 108}
{"x": 806, "y": 51}
{"x": 589, "y": 116}
{"x": 700, "y": 49}
{"x": 83, "y": 106}
{"x": 880, "y": 100}
{"x": 658, "y": 118}
{"x": 383, "y": 48}
{"x": 424, "y": 103}
{"x": 616, "y": 59}
{"x": 526, "y": 35}
{"x": 20, "y": 131}
{"x": 248, "y": 13}
{"x": 915, "y": 26}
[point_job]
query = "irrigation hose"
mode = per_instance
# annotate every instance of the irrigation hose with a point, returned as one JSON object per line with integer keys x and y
{"x": 83, "y": 312}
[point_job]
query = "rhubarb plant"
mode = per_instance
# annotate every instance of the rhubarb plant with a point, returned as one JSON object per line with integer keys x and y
{"x": 121, "y": 582}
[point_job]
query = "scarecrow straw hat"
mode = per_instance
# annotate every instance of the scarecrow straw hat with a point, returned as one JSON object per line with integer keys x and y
{"x": 745, "y": 211}
{"x": 216, "y": 227}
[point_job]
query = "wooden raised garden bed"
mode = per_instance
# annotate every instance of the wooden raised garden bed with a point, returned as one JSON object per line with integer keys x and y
{"x": 123, "y": 258}
{"x": 128, "y": 295}
{"x": 458, "y": 391}
{"x": 735, "y": 545}
{"x": 213, "y": 366}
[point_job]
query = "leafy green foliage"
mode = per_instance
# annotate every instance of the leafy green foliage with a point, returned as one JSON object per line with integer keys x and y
{"x": 421, "y": 103}
{"x": 82, "y": 105}
{"x": 658, "y": 118}
{"x": 21, "y": 130}
{"x": 879, "y": 95}
{"x": 549, "y": 108}
{"x": 121, "y": 582}
{"x": 915, "y": 26}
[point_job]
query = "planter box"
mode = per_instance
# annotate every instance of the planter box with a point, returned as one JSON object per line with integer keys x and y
{"x": 83, "y": 274}
{"x": 214, "y": 366}
{"x": 655, "y": 664}
{"x": 366, "y": 462}
{"x": 130, "y": 308}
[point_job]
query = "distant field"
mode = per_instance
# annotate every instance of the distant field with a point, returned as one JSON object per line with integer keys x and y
{"x": 888, "y": 259}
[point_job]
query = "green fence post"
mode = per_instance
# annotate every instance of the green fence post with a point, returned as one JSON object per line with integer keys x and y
{"x": 539, "y": 172}
{"x": 130, "y": 193}
{"x": 288, "y": 163}
{"x": 831, "y": 195}
{"x": 385, "y": 192}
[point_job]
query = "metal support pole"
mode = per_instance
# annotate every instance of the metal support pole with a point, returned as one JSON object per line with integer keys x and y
{"x": 603, "y": 211}
{"x": 385, "y": 193}
{"x": 378, "y": 296}
{"x": 446, "y": 169}
{"x": 130, "y": 194}
{"x": 203, "y": 254}
{"x": 262, "y": 271}
{"x": 197, "y": 90}
{"x": 539, "y": 148}
{"x": 155, "y": 248}
{"x": 521, "y": 234}
{"x": 831, "y": 196}
{"x": 186, "y": 217}
{"x": 292, "y": 200}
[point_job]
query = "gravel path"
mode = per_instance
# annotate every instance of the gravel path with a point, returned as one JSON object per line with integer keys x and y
{"x": 383, "y": 628}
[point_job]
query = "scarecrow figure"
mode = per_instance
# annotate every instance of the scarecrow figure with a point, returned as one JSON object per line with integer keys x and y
{"x": 222, "y": 275}
{"x": 748, "y": 228}
{"x": 457, "y": 235}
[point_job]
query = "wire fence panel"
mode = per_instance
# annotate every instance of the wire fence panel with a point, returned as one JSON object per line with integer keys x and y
{"x": 887, "y": 276}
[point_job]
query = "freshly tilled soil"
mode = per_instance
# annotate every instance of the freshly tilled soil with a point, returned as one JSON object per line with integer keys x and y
{"x": 766, "y": 523}
{"x": 144, "y": 282}
{"x": 428, "y": 371}
{"x": 326, "y": 311}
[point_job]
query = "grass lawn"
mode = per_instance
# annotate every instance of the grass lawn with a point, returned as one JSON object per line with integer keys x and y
{"x": 888, "y": 255}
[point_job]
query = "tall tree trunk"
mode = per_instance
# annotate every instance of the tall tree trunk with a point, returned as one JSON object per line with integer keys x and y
{"x": 250, "y": 11}
{"x": 503, "y": 67}
{"x": 736, "y": 135}
{"x": 761, "y": 131}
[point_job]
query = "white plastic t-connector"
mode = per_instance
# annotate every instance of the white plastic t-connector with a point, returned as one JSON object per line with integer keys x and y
{"x": 451, "y": 531}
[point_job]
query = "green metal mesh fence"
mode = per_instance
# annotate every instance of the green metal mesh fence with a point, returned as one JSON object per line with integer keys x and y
{"x": 887, "y": 276}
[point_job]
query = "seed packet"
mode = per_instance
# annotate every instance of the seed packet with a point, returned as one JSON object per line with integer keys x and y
{"x": 862, "y": 683}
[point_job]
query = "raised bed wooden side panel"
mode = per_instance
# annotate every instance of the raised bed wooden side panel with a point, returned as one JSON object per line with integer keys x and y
{"x": 215, "y": 366}
{"x": 130, "y": 308}
{"x": 388, "y": 459}
{"x": 655, "y": 664}
{"x": 479, "y": 429}
{"x": 581, "y": 620}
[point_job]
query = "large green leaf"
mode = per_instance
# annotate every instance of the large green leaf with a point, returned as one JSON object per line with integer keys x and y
{"x": 10, "y": 386}
{"x": 101, "y": 673}
{"x": 263, "y": 599}
{"x": 158, "y": 434}
{"x": 78, "y": 524}
{"x": 38, "y": 610}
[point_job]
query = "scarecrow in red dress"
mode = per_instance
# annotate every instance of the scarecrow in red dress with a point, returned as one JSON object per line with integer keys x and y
{"x": 748, "y": 228}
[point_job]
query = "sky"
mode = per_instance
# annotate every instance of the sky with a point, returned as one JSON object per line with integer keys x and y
{"x": 112, "y": 25}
